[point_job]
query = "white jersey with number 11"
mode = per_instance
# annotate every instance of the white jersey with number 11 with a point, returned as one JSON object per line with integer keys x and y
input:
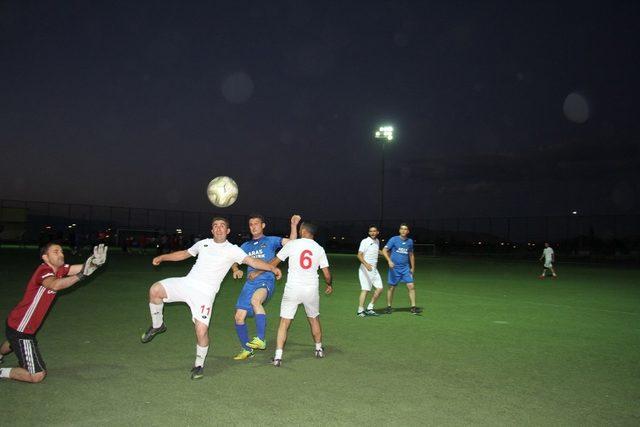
{"x": 305, "y": 258}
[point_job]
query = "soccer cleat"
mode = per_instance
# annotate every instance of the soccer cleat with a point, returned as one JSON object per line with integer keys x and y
{"x": 361, "y": 314}
{"x": 257, "y": 344}
{"x": 152, "y": 332}
{"x": 197, "y": 373}
{"x": 388, "y": 310}
{"x": 319, "y": 353}
{"x": 371, "y": 313}
{"x": 541, "y": 276}
{"x": 276, "y": 362}
{"x": 416, "y": 310}
{"x": 244, "y": 355}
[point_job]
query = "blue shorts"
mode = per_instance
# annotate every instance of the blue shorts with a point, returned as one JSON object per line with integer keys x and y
{"x": 399, "y": 274}
{"x": 249, "y": 288}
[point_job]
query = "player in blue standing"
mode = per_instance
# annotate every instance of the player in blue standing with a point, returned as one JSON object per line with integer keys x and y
{"x": 402, "y": 264}
{"x": 259, "y": 286}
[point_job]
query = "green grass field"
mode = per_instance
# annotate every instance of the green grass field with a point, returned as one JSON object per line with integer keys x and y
{"x": 494, "y": 346}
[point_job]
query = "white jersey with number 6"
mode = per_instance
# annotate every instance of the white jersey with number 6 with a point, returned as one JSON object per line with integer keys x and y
{"x": 305, "y": 258}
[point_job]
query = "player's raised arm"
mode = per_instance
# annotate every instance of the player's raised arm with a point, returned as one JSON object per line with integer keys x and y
{"x": 293, "y": 232}
{"x": 173, "y": 256}
{"x": 327, "y": 280}
{"x": 261, "y": 265}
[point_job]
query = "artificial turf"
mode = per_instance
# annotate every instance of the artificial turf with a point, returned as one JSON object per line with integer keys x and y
{"x": 494, "y": 346}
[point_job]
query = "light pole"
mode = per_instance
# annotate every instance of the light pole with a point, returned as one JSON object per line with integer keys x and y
{"x": 384, "y": 134}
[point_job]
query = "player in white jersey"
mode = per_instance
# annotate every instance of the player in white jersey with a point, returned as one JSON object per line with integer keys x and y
{"x": 549, "y": 258}
{"x": 368, "y": 252}
{"x": 198, "y": 289}
{"x": 302, "y": 287}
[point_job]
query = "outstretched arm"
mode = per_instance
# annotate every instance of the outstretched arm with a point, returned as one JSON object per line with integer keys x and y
{"x": 78, "y": 272}
{"x": 57, "y": 284}
{"x": 173, "y": 256}
{"x": 261, "y": 265}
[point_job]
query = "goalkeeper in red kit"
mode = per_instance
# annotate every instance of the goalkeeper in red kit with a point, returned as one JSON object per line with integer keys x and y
{"x": 26, "y": 318}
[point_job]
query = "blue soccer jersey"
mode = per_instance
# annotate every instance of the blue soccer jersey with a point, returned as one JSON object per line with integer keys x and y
{"x": 399, "y": 250}
{"x": 264, "y": 248}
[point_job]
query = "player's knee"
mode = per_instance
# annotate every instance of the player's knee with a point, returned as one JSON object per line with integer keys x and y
{"x": 156, "y": 291}
{"x": 410, "y": 286}
{"x": 38, "y": 377}
{"x": 240, "y": 316}
{"x": 256, "y": 304}
{"x": 202, "y": 330}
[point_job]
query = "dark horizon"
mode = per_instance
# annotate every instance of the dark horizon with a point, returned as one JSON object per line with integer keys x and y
{"x": 500, "y": 109}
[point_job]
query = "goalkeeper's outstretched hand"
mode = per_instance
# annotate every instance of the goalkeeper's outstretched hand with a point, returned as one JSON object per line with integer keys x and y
{"x": 96, "y": 260}
{"x": 100, "y": 254}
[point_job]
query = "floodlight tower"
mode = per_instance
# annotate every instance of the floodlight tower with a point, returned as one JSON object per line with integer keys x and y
{"x": 384, "y": 134}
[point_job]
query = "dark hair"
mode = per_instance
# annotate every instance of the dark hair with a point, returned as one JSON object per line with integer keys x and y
{"x": 45, "y": 248}
{"x": 373, "y": 226}
{"x": 220, "y": 218}
{"x": 404, "y": 224}
{"x": 258, "y": 216}
{"x": 310, "y": 227}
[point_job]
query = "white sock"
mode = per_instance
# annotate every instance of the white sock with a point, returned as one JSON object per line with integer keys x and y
{"x": 156, "y": 314}
{"x": 278, "y": 354}
{"x": 360, "y": 309}
{"x": 5, "y": 372}
{"x": 370, "y": 306}
{"x": 318, "y": 346}
{"x": 201, "y": 354}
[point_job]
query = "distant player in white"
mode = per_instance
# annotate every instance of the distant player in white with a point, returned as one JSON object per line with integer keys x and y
{"x": 305, "y": 258}
{"x": 368, "y": 252}
{"x": 549, "y": 258}
{"x": 198, "y": 289}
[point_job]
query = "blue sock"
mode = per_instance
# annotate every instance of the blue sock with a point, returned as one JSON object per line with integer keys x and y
{"x": 243, "y": 335}
{"x": 261, "y": 325}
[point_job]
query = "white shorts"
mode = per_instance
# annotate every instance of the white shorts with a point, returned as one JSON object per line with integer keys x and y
{"x": 369, "y": 278}
{"x": 196, "y": 295}
{"x": 548, "y": 264}
{"x": 293, "y": 296}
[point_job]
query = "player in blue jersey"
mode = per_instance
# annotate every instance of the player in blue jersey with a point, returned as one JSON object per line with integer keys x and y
{"x": 259, "y": 286}
{"x": 402, "y": 264}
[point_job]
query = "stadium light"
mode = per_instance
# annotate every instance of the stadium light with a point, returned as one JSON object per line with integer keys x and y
{"x": 384, "y": 134}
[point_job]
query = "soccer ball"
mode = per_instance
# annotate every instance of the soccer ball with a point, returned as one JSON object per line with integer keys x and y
{"x": 222, "y": 191}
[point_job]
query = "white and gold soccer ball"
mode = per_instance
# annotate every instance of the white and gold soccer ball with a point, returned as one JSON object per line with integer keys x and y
{"x": 222, "y": 191}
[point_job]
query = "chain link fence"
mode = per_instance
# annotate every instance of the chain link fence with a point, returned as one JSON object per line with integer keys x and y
{"x": 27, "y": 222}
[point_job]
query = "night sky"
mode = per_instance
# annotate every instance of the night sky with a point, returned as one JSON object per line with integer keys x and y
{"x": 500, "y": 108}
